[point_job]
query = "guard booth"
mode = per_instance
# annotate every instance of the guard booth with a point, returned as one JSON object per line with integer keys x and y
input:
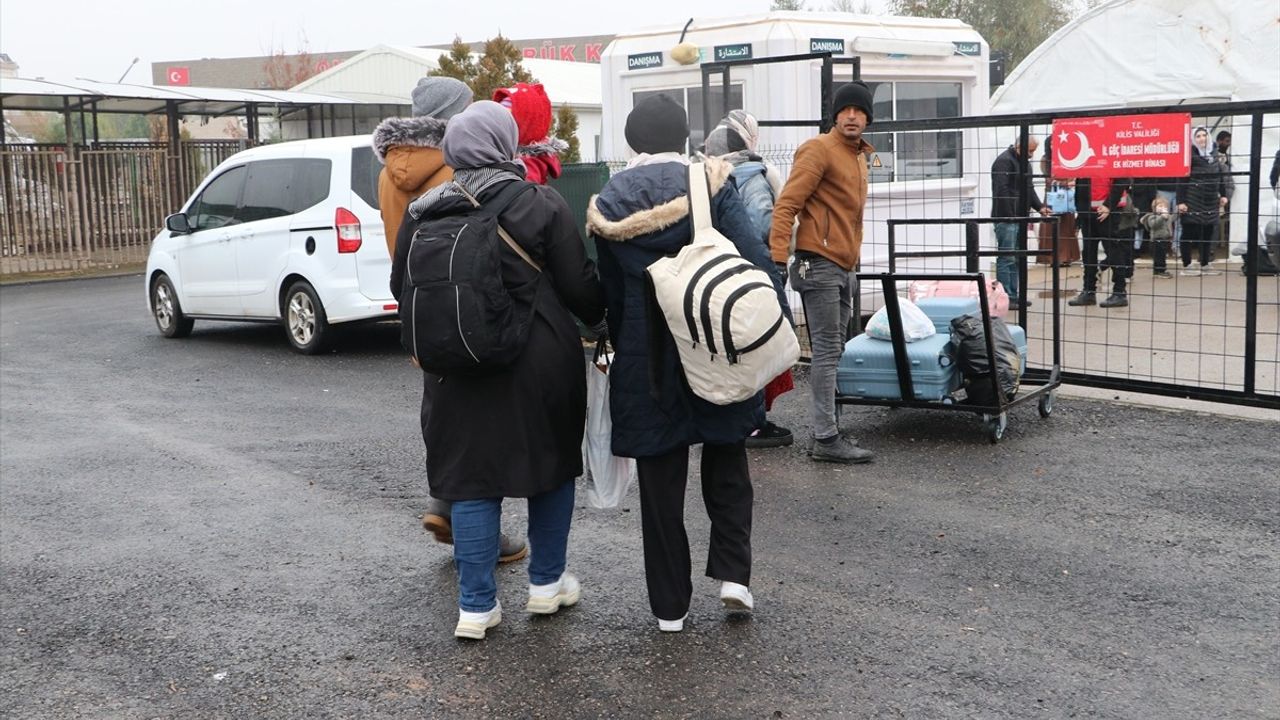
{"x": 783, "y": 66}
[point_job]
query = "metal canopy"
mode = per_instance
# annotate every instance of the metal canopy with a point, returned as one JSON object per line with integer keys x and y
{"x": 48, "y": 96}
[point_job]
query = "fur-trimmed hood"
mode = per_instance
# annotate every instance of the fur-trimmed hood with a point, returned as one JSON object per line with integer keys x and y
{"x": 647, "y": 199}
{"x": 414, "y": 131}
{"x": 548, "y": 146}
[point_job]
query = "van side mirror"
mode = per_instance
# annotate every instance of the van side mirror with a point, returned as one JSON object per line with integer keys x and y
{"x": 179, "y": 224}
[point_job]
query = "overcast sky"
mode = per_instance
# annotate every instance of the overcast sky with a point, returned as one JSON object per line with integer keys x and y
{"x": 64, "y": 39}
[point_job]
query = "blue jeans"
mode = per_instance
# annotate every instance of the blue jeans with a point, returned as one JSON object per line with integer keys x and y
{"x": 1007, "y": 266}
{"x": 476, "y": 525}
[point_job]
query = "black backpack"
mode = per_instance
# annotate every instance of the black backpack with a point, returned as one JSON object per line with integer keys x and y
{"x": 456, "y": 314}
{"x": 969, "y": 347}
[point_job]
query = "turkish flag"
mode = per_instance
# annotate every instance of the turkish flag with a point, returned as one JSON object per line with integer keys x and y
{"x": 179, "y": 75}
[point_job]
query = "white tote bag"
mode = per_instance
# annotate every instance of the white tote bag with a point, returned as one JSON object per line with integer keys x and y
{"x": 611, "y": 476}
{"x": 722, "y": 310}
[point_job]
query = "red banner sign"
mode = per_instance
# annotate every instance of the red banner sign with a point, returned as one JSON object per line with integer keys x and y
{"x": 1123, "y": 146}
{"x": 179, "y": 76}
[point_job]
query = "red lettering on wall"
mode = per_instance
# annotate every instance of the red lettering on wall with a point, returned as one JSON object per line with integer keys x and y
{"x": 593, "y": 52}
{"x": 566, "y": 52}
{"x": 529, "y": 52}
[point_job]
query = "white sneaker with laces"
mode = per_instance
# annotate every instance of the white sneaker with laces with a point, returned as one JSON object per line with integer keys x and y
{"x": 472, "y": 625}
{"x": 672, "y": 626}
{"x": 736, "y": 597}
{"x": 547, "y": 599}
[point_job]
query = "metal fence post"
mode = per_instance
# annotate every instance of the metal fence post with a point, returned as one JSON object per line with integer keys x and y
{"x": 1252, "y": 253}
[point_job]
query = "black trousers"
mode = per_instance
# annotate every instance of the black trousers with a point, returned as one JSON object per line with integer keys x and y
{"x": 727, "y": 494}
{"x": 1119, "y": 253}
{"x": 1091, "y": 231}
{"x": 1198, "y": 237}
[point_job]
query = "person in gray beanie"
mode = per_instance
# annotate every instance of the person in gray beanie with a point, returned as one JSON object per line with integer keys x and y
{"x": 824, "y": 198}
{"x": 413, "y": 163}
{"x": 516, "y": 431}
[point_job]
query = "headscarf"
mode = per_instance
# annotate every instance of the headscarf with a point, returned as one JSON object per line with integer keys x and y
{"x": 738, "y": 131}
{"x": 1207, "y": 151}
{"x": 483, "y": 135}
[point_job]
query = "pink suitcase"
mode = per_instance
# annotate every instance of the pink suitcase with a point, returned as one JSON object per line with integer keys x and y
{"x": 997, "y": 298}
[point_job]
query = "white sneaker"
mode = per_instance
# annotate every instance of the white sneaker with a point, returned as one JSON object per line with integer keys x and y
{"x": 472, "y": 625}
{"x": 672, "y": 626}
{"x": 547, "y": 599}
{"x": 736, "y": 597}
{"x": 1190, "y": 271}
{"x": 1208, "y": 270}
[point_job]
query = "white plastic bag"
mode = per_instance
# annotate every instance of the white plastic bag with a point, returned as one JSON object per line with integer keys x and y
{"x": 610, "y": 475}
{"x": 915, "y": 324}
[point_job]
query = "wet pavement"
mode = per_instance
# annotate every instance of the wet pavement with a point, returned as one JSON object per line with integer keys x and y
{"x": 216, "y": 527}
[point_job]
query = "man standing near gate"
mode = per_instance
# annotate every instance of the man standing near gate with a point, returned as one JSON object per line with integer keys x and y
{"x": 1004, "y": 204}
{"x": 826, "y": 193}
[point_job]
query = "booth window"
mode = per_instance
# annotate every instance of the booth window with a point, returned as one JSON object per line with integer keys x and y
{"x": 691, "y": 100}
{"x": 916, "y": 155}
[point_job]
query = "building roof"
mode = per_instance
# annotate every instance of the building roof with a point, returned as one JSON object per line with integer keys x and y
{"x": 386, "y": 74}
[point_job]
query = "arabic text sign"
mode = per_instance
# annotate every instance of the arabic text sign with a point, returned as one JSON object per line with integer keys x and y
{"x": 741, "y": 51}
{"x": 1123, "y": 146}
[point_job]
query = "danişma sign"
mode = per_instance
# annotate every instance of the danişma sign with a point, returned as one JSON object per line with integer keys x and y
{"x": 642, "y": 61}
{"x": 835, "y": 46}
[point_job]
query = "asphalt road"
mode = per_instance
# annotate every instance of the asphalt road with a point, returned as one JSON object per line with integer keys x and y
{"x": 218, "y": 528}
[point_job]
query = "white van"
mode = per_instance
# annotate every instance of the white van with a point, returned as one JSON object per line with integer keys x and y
{"x": 286, "y": 233}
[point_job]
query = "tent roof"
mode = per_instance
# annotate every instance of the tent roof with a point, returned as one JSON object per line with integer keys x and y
{"x": 1151, "y": 52}
{"x": 572, "y": 83}
{"x": 46, "y": 95}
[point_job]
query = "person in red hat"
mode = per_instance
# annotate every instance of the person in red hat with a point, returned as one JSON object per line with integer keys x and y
{"x": 540, "y": 153}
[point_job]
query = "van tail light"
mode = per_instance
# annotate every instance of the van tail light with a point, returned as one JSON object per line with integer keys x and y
{"x": 348, "y": 227}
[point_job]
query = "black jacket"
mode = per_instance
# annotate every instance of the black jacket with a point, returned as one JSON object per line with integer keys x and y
{"x": 642, "y": 215}
{"x": 1204, "y": 187}
{"x": 518, "y": 432}
{"x": 1004, "y": 186}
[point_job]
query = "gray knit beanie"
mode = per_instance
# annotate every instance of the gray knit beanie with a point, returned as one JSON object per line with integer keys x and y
{"x": 440, "y": 97}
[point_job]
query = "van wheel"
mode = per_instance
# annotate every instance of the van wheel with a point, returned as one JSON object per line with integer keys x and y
{"x": 167, "y": 310}
{"x": 304, "y": 320}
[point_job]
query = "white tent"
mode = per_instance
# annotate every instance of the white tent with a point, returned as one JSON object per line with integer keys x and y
{"x": 1151, "y": 52}
{"x": 386, "y": 73}
{"x": 1144, "y": 53}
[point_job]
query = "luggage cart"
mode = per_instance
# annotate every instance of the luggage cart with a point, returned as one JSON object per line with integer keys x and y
{"x": 995, "y": 417}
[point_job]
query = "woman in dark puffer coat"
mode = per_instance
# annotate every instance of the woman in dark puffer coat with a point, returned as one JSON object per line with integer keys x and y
{"x": 641, "y": 215}
{"x": 1204, "y": 196}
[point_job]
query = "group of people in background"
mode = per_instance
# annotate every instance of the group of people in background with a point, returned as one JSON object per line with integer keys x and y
{"x": 1184, "y": 217}
{"x": 517, "y": 432}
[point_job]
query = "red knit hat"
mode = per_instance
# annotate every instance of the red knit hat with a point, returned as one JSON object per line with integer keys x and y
{"x": 531, "y": 107}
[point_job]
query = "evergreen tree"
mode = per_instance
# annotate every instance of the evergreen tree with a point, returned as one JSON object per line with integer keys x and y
{"x": 498, "y": 67}
{"x": 566, "y": 128}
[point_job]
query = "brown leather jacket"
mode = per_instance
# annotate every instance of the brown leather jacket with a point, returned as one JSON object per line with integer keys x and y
{"x": 827, "y": 190}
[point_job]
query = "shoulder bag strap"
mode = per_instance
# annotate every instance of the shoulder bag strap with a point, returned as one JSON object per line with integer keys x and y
{"x": 699, "y": 198}
{"x": 495, "y": 208}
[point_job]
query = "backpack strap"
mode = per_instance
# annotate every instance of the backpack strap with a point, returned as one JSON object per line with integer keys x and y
{"x": 494, "y": 207}
{"x": 699, "y": 198}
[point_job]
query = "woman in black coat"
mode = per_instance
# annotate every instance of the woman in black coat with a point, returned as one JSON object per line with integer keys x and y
{"x": 1204, "y": 197}
{"x": 641, "y": 215}
{"x": 516, "y": 432}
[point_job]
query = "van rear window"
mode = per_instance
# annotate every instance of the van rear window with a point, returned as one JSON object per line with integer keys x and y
{"x": 364, "y": 175}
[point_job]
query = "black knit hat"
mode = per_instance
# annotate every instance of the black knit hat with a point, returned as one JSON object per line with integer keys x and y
{"x": 657, "y": 124}
{"x": 854, "y": 94}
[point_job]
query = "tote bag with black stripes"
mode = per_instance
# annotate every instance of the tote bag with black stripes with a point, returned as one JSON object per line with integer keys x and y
{"x": 722, "y": 310}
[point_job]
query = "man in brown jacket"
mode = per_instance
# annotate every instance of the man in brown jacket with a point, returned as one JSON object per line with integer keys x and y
{"x": 826, "y": 192}
{"x": 413, "y": 163}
